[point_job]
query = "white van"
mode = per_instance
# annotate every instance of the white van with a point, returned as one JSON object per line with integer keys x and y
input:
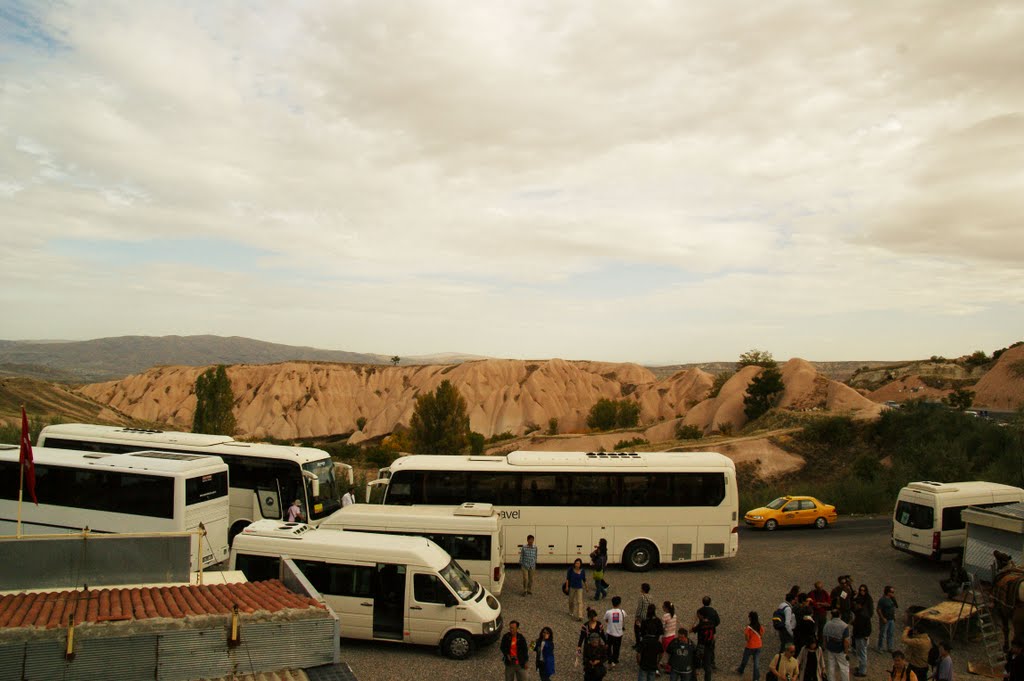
{"x": 470, "y": 533}
{"x": 383, "y": 587}
{"x": 927, "y": 522}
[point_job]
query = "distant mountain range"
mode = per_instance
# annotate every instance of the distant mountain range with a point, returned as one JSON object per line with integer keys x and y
{"x": 105, "y": 359}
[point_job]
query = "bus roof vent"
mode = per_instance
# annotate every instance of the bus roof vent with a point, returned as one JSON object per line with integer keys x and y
{"x": 139, "y": 430}
{"x": 277, "y": 528}
{"x": 934, "y": 487}
{"x": 473, "y": 508}
{"x": 95, "y": 455}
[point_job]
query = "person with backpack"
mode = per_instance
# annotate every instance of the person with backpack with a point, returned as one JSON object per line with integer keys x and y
{"x": 837, "y": 645}
{"x": 901, "y": 671}
{"x": 681, "y": 657}
{"x": 614, "y": 623}
{"x": 784, "y": 666}
{"x": 784, "y": 621}
{"x": 753, "y": 633}
{"x": 917, "y": 644}
{"x": 599, "y": 561}
{"x": 595, "y": 654}
{"x": 544, "y": 654}
{"x": 705, "y": 631}
{"x": 514, "y": 653}
{"x": 648, "y": 653}
{"x": 944, "y": 667}
{"x": 709, "y": 613}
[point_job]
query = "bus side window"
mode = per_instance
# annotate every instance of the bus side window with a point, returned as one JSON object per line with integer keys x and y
{"x": 428, "y": 589}
{"x": 258, "y": 568}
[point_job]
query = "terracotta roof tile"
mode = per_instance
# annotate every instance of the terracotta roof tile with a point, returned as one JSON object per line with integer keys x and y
{"x": 52, "y": 609}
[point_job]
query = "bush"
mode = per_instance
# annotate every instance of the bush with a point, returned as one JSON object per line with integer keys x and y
{"x": 607, "y": 414}
{"x": 361, "y": 422}
{"x": 688, "y": 432}
{"x": 499, "y": 437}
{"x": 757, "y": 358}
{"x": 476, "y": 443}
{"x": 832, "y": 431}
{"x": 763, "y": 392}
{"x": 726, "y": 428}
{"x": 531, "y": 428}
{"x": 552, "y": 426}
{"x": 720, "y": 380}
{"x": 627, "y": 444}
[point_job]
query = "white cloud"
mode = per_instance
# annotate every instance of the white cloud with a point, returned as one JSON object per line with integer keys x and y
{"x": 459, "y": 169}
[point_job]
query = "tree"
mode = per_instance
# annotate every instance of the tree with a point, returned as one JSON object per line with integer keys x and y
{"x": 214, "y": 401}
{"x": 602, "y": 415}
{"x": 440, "y": 424}
{"x": 757, "y": 358}
{"x": 961, "y": 399}
{"x": 361, "y": 422}
{"x": 720, "y": 380}
{"x": 552, "y": 426}
{"x": 476, "y": 443}
{"x": 395, "y": 360}
{"x": 763, "y": 392}
{"x": 627, "y": 414}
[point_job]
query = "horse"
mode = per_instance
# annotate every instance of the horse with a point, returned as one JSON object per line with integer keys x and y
{"x": 1008, "y": 596}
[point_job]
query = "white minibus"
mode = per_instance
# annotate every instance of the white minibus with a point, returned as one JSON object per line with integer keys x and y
{"x": 651, "y": 507}
{"x": 470, "y": 533}
{"x": 926, "y": 520}
{"x": 119, "y": 493}
{"x": 264, "y": 478}
{"x": 383, "y": 587}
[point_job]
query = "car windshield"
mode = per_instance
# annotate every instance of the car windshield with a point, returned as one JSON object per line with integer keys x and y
{"x": 329, "y": 500}
{"x": 777, "y": 504}
{"x": 459, "y": 580}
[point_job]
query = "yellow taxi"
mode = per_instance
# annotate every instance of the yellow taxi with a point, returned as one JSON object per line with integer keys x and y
{"x": 792, "y": 511}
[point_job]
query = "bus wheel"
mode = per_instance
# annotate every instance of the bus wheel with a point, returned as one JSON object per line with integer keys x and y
{"x": 457, "y": 645}
{"x": 236, "y": 529}
{"x": 640, "y": 556}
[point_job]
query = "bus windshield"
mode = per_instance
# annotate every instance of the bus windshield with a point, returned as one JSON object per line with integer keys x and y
{"x": 459, "y": 580}
{"x": 329, "y": 500}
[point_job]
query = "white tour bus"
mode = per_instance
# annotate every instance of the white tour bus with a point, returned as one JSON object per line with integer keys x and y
{"x": 470, "y": 533}
{"x": 652, "y": 507}
{"x": 265, "y": 479}
{"x": 383, "y": 587}
{"x": 926, "y": 519}
{"x": 117, "y": 493}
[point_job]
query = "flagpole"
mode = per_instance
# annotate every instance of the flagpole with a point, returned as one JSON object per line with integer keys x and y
{"x": 21, "y": 482}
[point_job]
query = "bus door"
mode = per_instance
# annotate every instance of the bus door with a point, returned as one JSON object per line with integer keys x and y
{"x": 431, "y": 609}
{"x": 268, "y": 501}
{"x": 389, "y": 602}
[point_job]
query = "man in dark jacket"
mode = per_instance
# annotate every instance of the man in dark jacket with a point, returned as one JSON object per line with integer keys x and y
{"x": 515, "y": 653}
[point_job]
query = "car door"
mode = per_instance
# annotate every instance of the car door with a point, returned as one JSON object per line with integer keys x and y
{"x": 808, "y": 512}
{"x": 789, "y": 515}
{"x": 431, "y": 609}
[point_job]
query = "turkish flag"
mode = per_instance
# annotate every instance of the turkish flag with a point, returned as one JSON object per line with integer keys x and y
{"x": 28, "y": 467}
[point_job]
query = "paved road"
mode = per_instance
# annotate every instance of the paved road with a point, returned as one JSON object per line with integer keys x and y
{"x": 768, "y": 564}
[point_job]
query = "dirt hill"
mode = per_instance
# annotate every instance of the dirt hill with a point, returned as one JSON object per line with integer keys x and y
{"x": 302, "y": 399}
{"x": 1002, "y": 388}
{"x": 47, "y": 401}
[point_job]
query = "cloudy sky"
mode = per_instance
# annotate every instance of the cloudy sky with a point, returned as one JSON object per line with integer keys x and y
{"x": 653, "y": 182}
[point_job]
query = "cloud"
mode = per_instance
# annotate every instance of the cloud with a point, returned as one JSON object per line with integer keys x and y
{"x": 490, "y": 162}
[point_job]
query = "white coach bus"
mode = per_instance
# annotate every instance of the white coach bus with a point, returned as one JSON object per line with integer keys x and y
{"x": 470, "y": 533}
{"x": 652, "y": 507}
{"x": 119, "y": 493}
{"x": 265, "y": 478}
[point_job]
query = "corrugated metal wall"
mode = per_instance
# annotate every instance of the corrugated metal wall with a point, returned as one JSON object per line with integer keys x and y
{"x": 982, "y": 541}
{"x": 175, "y": 655}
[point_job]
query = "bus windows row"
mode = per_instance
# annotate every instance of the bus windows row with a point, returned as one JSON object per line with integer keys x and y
{"x": 557, "y": 489}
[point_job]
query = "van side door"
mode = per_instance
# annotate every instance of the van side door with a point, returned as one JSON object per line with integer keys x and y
{"x": 348, "y": 589}
{"x": 432, "y": 608}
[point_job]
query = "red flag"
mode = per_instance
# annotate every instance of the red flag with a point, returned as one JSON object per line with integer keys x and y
{"x": 28, "y": 467}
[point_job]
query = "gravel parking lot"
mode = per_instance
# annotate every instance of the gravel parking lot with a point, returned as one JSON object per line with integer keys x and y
{"x": 766, "y": 567}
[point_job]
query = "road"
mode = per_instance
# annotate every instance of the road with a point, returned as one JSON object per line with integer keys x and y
{"x": 767, "y": 565}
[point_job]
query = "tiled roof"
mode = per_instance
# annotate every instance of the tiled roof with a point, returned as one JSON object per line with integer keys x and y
{"x": 52, "y": 609}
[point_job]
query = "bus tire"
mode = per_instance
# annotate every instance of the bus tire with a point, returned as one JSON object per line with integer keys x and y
{"x": 640, "y": 556}
{"x": 457, "y": 644}
{"x": 236, "y": 529}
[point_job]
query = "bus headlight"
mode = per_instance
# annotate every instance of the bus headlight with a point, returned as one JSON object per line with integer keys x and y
{"x": 492, "y": 602}
{"x": 489, "y": 627}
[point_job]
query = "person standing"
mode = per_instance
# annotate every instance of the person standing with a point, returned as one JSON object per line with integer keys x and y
{"x": 784, "y": 621}
{"x": 591, "y": 626}
{"x": 575, "y": 582}
{"x": 528, "y": 564}
{"x": 712, "y": 616}
{"x": 348, "y": 498}
{"x": 294, "y": 512}
{"x": 901, "y": 671}
{"x": 887, "y": 606}
{"x": 837, "y": 645}
{"x": 594, "y": 649}
{"x": 544, "y": 654}
{"x": 514, "y": 653}
{"x": 812, "y": 662}
{"x": 944, "y": 670}
{"x": 806, "y": 629}
{"x": 917, "y": 644}
{"x": 614, "y": 630}
{"x": 599, "y": 561}
{"x": 821, "y": 604}
{"x": 669, "y": 624}
{"x": 641, "y": 612}
{"x": 842, "y": 597}
{"x": 753, "y": 633}
{"x": 863, "y": 610}
{"x": 681, "y": 656}
{"x": 705, "y": 645}
{"x": 784, "y": 666}
{"x": 648, "y": 655}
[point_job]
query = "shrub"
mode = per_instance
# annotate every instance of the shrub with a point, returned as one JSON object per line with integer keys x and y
{"x": 688, "y": 432}
{"x": 833, "y": 431}
{"x": 552, "y": 426}
{"x": 763, "y": 392}
{"x": 726, "y": 428}
{"x": 361, "y": 422}
{"x": 720, "y": 380}
{"x": 531, "y": 428}
{"x": 499, "y": 437}
{"x": 757, "y": 358}
{"x": 476, "y": 443}
{"x": 607, "y": 414}
{"x": 626, "y": 444}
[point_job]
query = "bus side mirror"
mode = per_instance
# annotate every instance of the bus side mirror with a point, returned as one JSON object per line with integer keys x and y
{"x": 314, "y": 483}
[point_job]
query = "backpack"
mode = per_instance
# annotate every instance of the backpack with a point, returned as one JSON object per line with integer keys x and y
{"x": 779, "y": 618}
{"x": 594, "y": 647}
{"x": 933, "y": 655}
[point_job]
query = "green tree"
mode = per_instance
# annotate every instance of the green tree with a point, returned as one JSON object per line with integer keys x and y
{"x": 961, "y": 399}
{"x": 440, "y": 424}
{"x": 395, "y": 360}
{"x": 214, "y": 401}
{"x": 763, "y": 392}
{"x": 627, "y": 413}
{"x": 552, "y": 426}
{"x": 720, "y": 380}
{"x": 361, "y": 422}
{"x": 476, "y": 443}
{"x": 602, "y": 415}
{"x": 757, "y": 358}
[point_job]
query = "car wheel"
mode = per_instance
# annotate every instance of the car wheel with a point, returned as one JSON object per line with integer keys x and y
{"x": 821, "y": 523}
{"x": 640, "y": 556}
{"x": 457, "y": 645}
{"x": 771, "y": 525}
